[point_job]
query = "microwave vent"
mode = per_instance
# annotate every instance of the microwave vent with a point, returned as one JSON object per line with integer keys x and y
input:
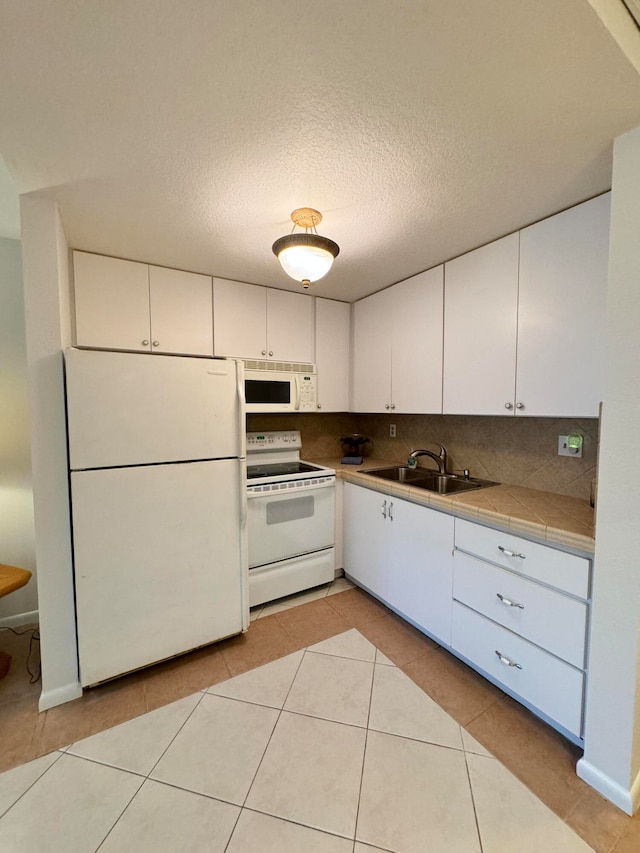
{"x": 279, "y": 366}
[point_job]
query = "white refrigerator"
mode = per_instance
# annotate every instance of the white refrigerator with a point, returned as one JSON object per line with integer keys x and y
{"x": 158, "y": 498}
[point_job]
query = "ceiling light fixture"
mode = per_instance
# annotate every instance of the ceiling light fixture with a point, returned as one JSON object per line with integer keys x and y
{"x": 306, "y": 257}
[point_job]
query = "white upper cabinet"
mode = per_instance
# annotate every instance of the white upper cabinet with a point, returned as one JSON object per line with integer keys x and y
{"x": 524, "y": 316}
{"x": 398, "y": 347}
{"x": 239, "y": 319}
{"x": 257, "y": 322}
{"x": 416, "y": 346}
{"x": 111, "y": 302}
{"x": 562, "y": 304}
{"x": 125, "y": 305}
{"x": 181, "y": 312}
{"x": 480, "y": 330}
{"x": 290, "y": 333}
{"x": 333, "y": 348}
{"x": 372, "y": 353}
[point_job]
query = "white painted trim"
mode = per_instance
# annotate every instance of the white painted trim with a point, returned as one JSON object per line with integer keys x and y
{"x": 28, "y": 618}
{"x": 626, "y": 800}
{"x": 59, "y": 695}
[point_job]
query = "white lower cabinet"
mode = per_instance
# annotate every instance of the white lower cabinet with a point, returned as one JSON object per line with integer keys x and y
{"x": 514, "y": 609}
{"x": 520, "y": 615}
{"x": 541, "y": 679}
{"x": 402, "y": 553}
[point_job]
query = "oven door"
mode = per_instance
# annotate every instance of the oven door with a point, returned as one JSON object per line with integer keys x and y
{"x": 289, "y": 519}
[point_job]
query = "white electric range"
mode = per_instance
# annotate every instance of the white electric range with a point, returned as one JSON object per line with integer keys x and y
{"x": 291, "y": 517}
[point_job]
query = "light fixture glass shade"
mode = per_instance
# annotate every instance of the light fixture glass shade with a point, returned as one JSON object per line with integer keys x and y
{"x": 305, "y": 257}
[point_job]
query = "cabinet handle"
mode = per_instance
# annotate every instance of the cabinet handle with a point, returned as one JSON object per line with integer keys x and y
{"x": 519, "y": 405}
{"x": 384, "y": 509}
{"x": 386, "y": 405}
{"x": 506, "y": 661}
{"x": 264, "y": 352}
{"x": 391, "y": 511}
{"x": 319, "y": 406}
{"x": 156, "y": 343}
{"x": 508, "y": 602}
{"x": 508, "y": 405}
{"x": 145, "y": 343}
{"x": 393, "y": 405}
{"x": 509, "y": 553}
{"x": 270, "y": 352}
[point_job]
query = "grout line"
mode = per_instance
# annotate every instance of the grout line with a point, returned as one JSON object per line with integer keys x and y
{"x": 6, "y": 811}
{"x": 265, "y": 750}
{"x": 297, "y": 823}
{"x": 473, "y": 803}
{"x": 364, "y": 753}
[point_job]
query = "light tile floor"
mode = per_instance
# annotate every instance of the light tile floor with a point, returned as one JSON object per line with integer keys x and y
{"x": 329, "y": 749}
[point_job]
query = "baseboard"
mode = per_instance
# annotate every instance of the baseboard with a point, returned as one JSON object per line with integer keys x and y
{"x": 59, "y": 695}
{"x": 627, "y": 800}
{"x": 20, "y": 619}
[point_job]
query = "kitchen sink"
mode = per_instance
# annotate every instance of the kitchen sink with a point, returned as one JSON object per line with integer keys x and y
{"x": 398, "y": 473}
{"x": 443, "y": 484}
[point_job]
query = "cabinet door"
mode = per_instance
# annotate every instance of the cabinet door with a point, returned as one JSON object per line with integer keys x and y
{"x": 333, "y": 322}
{"x": 416, "y": 346}
{"x": 181, "y": 312}
{"x": 372, "y": 353}
{"x": 365, "y": 537}
{"x": 112, "y": 303}
{"x": 562, "y": 304}
{"x": 420, "y": 567}
{"x": 480, "y": 312}
{"x": 239, "y": 319}
{"x": 290, "y": 334}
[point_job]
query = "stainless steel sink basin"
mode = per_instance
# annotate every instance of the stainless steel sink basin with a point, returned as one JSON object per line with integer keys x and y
{"x": 398, "y": 473}
{"x": 443, "y": 484}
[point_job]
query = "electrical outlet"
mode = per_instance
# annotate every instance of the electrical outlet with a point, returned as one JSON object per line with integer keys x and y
{"x": 565, "y": 450}
{"x": 392, "y": 430}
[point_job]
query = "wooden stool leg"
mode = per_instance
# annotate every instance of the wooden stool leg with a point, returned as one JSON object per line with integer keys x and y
{"x": 5, "y": 663}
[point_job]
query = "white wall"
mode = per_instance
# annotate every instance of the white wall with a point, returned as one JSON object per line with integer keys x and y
{"x": 46, "y": 291}
{"x": 611, "y": 761}
{"x": 17, "y": 539}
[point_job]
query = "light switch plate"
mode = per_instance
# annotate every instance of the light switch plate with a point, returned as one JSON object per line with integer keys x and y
{"x": 563, "y": 450}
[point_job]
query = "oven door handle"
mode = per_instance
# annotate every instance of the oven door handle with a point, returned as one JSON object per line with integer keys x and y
{"x": 297, "y": 384}
{"x": 279, "y": 494}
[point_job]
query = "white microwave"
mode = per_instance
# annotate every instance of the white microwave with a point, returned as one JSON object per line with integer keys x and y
{"x": 277, "y": 387}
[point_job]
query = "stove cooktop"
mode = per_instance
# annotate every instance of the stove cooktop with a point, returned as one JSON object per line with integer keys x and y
{"x": 280, "y": 469}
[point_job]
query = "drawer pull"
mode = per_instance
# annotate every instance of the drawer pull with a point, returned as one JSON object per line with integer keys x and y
{"x": 509, "y": 553}
{"x": 506, "y": 660}
{"x": 508, "y": 602}
{"x": 391, "y": 511}
{"x": 384, "y": 509}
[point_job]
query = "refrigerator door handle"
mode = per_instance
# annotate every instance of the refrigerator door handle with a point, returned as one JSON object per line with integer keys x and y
{"x": 242, "y": 434}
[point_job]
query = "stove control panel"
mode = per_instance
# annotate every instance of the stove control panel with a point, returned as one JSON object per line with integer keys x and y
{"x": 274, "y": 440}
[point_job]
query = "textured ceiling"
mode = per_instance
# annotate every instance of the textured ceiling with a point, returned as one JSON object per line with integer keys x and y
{"x": 185, "y": 133}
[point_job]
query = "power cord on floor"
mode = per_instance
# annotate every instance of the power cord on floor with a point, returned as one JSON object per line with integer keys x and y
{"x": 35, "y": 638}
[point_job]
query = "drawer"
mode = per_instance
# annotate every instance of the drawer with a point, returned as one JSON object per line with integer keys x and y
{"x": 547, "y": 618}
{"x": 545, "y": 682}
{"x": 540, "y": 562}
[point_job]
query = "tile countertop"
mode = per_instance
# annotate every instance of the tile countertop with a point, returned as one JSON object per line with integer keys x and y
{"x": 558, "y": 519}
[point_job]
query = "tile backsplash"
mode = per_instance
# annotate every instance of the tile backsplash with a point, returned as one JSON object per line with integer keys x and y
{"x": 519, "y": 451}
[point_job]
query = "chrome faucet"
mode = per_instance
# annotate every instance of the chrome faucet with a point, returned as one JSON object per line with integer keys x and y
{"x": 440, "y": 458}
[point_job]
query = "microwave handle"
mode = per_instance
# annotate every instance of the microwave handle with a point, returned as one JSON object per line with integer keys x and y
{"x": 297, "y": 381}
